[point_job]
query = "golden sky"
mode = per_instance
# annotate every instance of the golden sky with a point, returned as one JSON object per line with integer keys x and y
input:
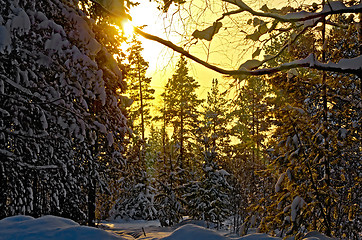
{"x": 162, "y": 60}
{"x": 228, "y": 49}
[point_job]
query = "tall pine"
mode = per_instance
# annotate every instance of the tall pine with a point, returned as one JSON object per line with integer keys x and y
{"x": 179, "y": 112}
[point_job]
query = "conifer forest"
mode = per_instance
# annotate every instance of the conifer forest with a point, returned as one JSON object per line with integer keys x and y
{"x": 273, "y": 144}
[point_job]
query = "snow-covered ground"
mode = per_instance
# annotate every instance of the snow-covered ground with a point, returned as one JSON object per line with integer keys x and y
{"x": 57, "y": 228}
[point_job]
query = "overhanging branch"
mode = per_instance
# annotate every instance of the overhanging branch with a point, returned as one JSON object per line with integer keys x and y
{"x": 353, "y": 66}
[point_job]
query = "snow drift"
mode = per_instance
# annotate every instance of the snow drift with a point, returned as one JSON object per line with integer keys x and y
{"x": 49, "y": 227}
{"x": 57, "y": 228}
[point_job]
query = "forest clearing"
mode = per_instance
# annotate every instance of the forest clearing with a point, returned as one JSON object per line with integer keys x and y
{"x": 250, "y": 123}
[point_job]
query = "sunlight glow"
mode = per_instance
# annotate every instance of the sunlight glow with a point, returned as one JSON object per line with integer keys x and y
{"x": 162, "y": 61}
{"x": 111, "y": 225}
{"x": 128, "y": 28}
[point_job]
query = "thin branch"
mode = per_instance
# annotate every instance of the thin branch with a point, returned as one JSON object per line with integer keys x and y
{"x": 302, "y": 15}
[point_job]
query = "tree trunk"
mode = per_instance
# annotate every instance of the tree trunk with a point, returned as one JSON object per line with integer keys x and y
{"x": 3, "y": 195}
{"x": 91, "y": 202}
{"x": 142, "y": 120}
{"x": 36, "y": 212}
{"x": 325, "y": 133}
{"x": 182, "y": 132}
{"x": 91, "y": 176}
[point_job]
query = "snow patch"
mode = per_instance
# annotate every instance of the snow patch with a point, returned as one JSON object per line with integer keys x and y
{"x": 57, "y": 228}
{"x": 5, "y": 39}
{"x": 258, "y": 236}
{"x": 20, "y": 22}
{"x": 194, "y": 232}
{"x": 280, "y": 180}
{"x": 110, "y": 139}
{"x": 297, "y": 204}
{"x": 54, "y": 43}
{"x": 101, "y": 127}
{"x": 314, "y": 235}
{"x": 49, "y": 227}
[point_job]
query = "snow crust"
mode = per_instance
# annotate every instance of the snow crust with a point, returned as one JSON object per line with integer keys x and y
{"x": 297, "y": 204}
{"x": 20, "y": 22}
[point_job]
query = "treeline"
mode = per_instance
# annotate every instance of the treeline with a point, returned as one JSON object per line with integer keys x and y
{"x": 279, "y": 152}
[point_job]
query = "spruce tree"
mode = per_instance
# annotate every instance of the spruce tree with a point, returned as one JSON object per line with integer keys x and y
{"x": 137, "y": 196}
{"x": 208, "y": 198}
{"x": 61, "y": 123}
{"x": 169, "y": 202}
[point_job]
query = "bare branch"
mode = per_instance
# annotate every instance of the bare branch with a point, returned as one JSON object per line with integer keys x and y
{"x": 353, "y": 66}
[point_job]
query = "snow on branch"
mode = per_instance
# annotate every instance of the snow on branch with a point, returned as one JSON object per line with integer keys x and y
{"x": 353, "y": 65}
{"x": 35, "y": 167}
{"x": 333, "y": 7}
{"x": 9, "y": 154}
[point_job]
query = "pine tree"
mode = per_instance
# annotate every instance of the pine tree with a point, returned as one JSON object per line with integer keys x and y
{"x": 216, "y": 120}
{"x": 250, "y": 125}
{"x": 181, "y": 111}
{"x": 251, "y": 117}
{"x": 136, "y": 201}
{"x": 139, "y": 89}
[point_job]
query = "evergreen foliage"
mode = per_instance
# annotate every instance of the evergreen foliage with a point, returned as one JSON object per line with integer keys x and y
{"x": 316, "y": 123}
{"x": 139, "y": 89}
{"x": 208, "y": 199}
{"x": 180, "y": 112}
{"x": 216, "y": 121}
{"x": 284, "y": 153}
{"x": 136, "y": 200}
{"x": 181, "y": 103}
{"x": 61, "y": 123}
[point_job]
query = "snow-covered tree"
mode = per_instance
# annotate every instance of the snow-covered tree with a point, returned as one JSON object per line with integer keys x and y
{"x": 208, "y": 198}
{"x": 137, "y": 198}
{"x": 61, "y": 122}
{"x": 311, "y": 146}
{"x": 176, "y": 163}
